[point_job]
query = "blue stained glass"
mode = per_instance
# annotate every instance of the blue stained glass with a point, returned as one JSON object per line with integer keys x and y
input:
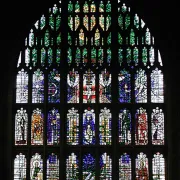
{"x": 88, "y": 167}
{"x": 53, "y": 127}
{"x": 54, "y": 87}
{"x": 89, "y": 127}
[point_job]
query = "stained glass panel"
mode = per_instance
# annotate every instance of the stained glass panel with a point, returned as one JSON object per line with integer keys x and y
{"x": 124, "y": 79}
{"x": 20, "y": 167}
{"x": 125, "y": 127}
{"x": 141, "y": 127}
{"x": 125, "y": 167}
{"x": 21, "y": 127}
{"x": 38, "y": 87}
{"x": 37, "y": 121}
{"x": 72, "y": 167}
{"x": 142, "y": 167}
{"x": 52, "y": 167}
{"x": 141, "y": 86}
{"x": 157, "y": 126}
{"x": 105, "y": 167}
{"x": 73, "y": 87}
{"x": 157, "y": 89}
{"x": 22, "y": 87}
{"x": 88, "y": 167}
{"x": 105, "y": 127}
{"x": 158, "y": 167}
{"x": 89, "y": 127}
{"x": 36, "y": 167}
{"x": 73, "y": 127}
{"x": 53, "y": 127}
{"x": 89, "y": 87}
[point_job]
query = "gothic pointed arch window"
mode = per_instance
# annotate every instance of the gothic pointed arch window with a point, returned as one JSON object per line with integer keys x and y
{"x": 89, "y": 97}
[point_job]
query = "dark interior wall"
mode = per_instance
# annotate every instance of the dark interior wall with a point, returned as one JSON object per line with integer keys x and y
{"x": 162, "y": 19}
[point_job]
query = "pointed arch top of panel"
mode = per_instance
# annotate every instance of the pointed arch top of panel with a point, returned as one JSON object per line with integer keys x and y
{"x": 44, "y": 35}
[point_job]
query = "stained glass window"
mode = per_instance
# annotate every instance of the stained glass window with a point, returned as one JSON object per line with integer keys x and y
{"x": 21, "y": 127}
{"x": 20, "y": 167}
{"x": 52, "y": 167}
{"x": 89, "y": 96}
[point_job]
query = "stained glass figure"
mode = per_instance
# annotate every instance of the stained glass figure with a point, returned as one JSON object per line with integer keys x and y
{"x": 73, "y": 127}
{"x": 54, "y": 87}
{"x": 100, "y": 56}
{"x": 125, "y": 167}
{"x": 27, "y": 56}
{"x": 77, "y": 22}
{"x": 158, "y": 167}
{"x": 42, "y": 22}
{"x": 157, "y": 126}
{"x": 50, "y": 56}
{"x": 135, "y": 55}
{"x": 81, "y": 38}
{"x": 88, "y": 167}
{"x": 120, "y": 39}
{"x": 92, "y": 21}
{"x": 58, "y": 56}
{"x": 73, "y": 87}
{"x": 85, "y": 56}
{"x": 53, "y": 127}
{"x": 120, "y": 56}
{"x": 21, "y": 126}
{"x": 157, "y": 87}
{"x": 69, "y": 56}
{"x": 70, "y": 22}
{"x": 22, "y": 87}
{"x": 34, "y": 56}
{"x": 142, "y": 167}
{"x": 86, "y": 22}
{"x": 136, "y": 21}
{"x": 78, "y": 56}
{"x": 77, "y": 7}
{"x": 43, "y": 56}
{"x": 109, "y": 39}
{"x": 144, "y": 56}
{"x": 109, "y": 56}
{"x": 93, "y": 55}
{"x": 141, "y": 127}
{"x": 105, "y": 87}
{"x": 101, "y": 21}
{"x": 147, "y": 37}
{"x": 127, "y": 22}
{"x": 72, "y": 167}
{"x": 128, "y": 55}
{"x": 93, "y": 7}
{"x": 105, "y": 167}
{"x": 37, "y": 121}
{"x": 20, "y": 167}
{"x": 89, "y": 87}
{"x": 101, "y": 6}
{"x": 108, "y": 22}
{"x": 120, "y": 21}
{"x": 105, "y": 127}
{"x": 108, "y": 7}
{"x": 89, "y": 127}
{"x": 124, "y": 79}
{"x": 47, "y": 38}
{"x": 132, "y": 37}
{"x": 38, "y": 87}
{"x": 97, "y": 38}
{"x": 125, "y": 127}
{"x": 141, "y": 87}
{"x": 31, "y": 38}
{"x": 151, "y": 56}
{"x": 58, "y": 22}
{"x": 52, "y": 172}
{"x": 70, "y": 7}
{"x": 51, "y": 21}
{"x": 36, "y": 167}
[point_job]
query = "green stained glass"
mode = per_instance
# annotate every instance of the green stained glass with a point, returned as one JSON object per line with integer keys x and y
{"x": 43, "y": 56}
{"x": 124, "y": 8}
{"x": 120, "y": 21}
{"x": 55, "y": 9}
{"x": 136, "y": 21}
{"x": 135, "y": 55}
{"x": 85, "y": 7}
{"x": 42, "y": 22}
{"x": 120, "y": 39}
{"x": 101, "y": 7}
{"x": 147, "y": 37}
{"x": 109, "y": 39}
{"x": 77, "y": 7}
{"x": 51, "y": 21}
{"x": 58, "y": 22}
{"x": 85, "y": 22}
{"x": 46, "y": 38}
{"x": 58, "y": 40}
{"x": 127, "y": 21}
{"x": 78, "y": 56}
{"x": 84, "y": 55}
{"x": 58, "y": 56}
{"x": 101, "y": 21}
{"x": 108, "y": 55}
{"x": 69, "y": 39}
{"x": 69, "y": 56}
{"x": 144, "y": 56}
{"x": 50, "y": 56}
{"x": 108, "y": 22}
{"x": 120, "y": 56}
{"x": 132, "y": 37}
{"x": 100, "y": 56}
{"x": 70, "y": 22}
{"x": 70, "y": 7}
{"x": 34, "y": 56}
{"x": 93, "y": 21}
{"x": 108, "y": 7}
{"x": 93, "y": 55}
{"x": 128, "y": 55}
